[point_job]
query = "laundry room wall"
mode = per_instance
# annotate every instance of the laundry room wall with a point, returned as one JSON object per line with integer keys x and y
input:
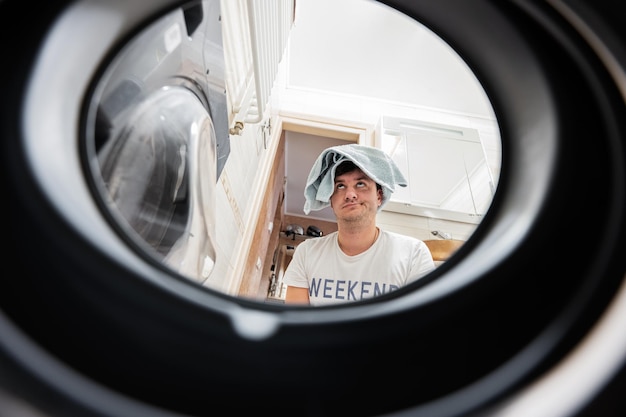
{"x": 239, "y": 199}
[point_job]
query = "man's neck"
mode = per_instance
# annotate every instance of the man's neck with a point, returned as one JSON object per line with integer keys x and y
{"x": 353, "y": 241}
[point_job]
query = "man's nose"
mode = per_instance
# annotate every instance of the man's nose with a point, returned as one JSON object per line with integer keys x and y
{"x": 350, "y": 193}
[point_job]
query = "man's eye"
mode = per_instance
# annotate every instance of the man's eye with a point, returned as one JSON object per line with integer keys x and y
{"x": 360, "y": 184}
{"x": 340, "y": 186}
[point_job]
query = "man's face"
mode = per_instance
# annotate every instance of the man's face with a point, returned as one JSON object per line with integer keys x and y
{"x": 355, "y": 196}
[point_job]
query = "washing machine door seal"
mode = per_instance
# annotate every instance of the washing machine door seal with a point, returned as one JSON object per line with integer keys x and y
{"x": 113, "y": 336}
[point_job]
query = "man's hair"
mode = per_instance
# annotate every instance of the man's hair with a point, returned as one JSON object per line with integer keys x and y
{"x": 349, "y": 166}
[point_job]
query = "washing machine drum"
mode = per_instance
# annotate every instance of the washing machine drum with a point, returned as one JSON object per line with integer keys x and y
{"x": 158, "y": 177}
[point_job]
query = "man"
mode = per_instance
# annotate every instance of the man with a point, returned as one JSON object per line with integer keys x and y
{"x": 360, "y": 260}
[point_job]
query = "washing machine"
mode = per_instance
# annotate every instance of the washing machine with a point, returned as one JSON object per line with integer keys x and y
{"x": 113, "y": 133}
{"x": 158, "y": 116}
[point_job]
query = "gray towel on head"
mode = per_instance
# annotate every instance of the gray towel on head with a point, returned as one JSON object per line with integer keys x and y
{"x": 374, "y": 162}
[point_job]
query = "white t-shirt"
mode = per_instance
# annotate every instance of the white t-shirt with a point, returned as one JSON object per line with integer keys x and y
{"x": 333, "y": 277}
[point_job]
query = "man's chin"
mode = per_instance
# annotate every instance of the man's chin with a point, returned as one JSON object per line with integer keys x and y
{"x": 353, "y": 217}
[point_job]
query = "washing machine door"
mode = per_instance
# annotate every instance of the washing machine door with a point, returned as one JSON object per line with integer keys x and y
{"x": 158, "y": 179}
